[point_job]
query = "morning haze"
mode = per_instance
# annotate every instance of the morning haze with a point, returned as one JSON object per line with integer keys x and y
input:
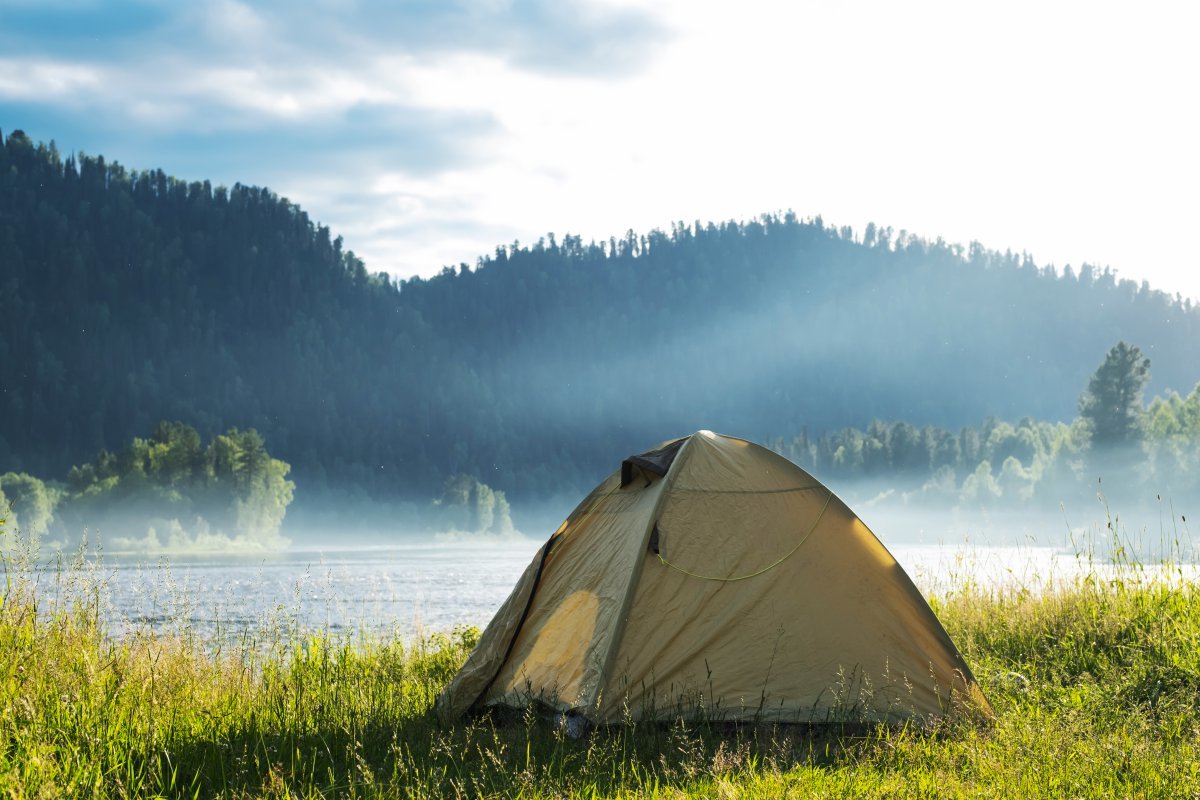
{"x": 910, "y": 374}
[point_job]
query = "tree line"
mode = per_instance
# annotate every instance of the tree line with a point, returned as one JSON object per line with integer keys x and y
{"x": 1141, "y": 451}
{"x": 131, "y": 297}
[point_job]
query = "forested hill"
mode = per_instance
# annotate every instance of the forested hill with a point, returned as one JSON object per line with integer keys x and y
{"x": 131, "y": 297}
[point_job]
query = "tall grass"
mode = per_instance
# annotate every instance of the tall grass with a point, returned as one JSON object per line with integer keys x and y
{"x": 1096, "y": 685}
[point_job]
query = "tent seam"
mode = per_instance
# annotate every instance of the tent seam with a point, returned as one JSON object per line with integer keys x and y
{"x": 636, "y": 575}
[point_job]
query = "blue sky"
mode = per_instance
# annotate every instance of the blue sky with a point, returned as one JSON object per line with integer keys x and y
{"x": 426, "y": 133}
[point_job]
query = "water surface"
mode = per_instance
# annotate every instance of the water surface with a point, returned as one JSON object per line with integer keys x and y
{"x": 432, "y": 586}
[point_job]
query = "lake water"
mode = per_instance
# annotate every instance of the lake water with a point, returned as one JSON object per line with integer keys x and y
{"x": 396, "y": 590}
{"x": 410, "y": 589}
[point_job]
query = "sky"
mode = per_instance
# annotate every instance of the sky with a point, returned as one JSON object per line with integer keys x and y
{"x": 428, "y": 132}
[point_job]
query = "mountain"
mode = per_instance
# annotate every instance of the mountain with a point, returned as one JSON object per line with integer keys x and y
{"x": 130, "y": 297}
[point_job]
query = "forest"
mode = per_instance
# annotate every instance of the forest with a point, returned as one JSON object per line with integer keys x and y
{"x": 1118, "y": 447}
{"x": 131, "y": 297}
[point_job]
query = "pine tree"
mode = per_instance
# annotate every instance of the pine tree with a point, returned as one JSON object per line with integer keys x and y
{"x": 1112, "y": 403}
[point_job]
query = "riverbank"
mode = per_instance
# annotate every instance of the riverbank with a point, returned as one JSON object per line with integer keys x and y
{"x": 1096, "y": 685}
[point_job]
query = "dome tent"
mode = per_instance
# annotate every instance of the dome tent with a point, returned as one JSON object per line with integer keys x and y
{"x": 712, "y": 577}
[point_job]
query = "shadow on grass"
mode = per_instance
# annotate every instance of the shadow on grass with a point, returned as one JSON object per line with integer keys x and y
{"x": 494, "y": 754}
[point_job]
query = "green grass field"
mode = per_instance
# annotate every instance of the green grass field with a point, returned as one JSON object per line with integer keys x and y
{"x": 1096, "y": 687}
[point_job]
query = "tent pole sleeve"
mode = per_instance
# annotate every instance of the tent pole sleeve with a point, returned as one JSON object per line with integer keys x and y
{"x": 664, "y": 488}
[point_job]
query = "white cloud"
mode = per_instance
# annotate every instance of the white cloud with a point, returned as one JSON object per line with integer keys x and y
{"x": 21, "y": 79}
{"x": 235, "y": 24}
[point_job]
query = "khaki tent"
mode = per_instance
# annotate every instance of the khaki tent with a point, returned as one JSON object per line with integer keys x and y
{"x": 713, "y": 577}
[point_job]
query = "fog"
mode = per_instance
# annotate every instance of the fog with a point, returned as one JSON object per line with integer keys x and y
{"x": 1089, "y": 524}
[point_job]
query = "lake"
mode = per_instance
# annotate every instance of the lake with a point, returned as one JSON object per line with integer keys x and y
{"x": 404, "y": 589}
{"x": 409, "y": 589}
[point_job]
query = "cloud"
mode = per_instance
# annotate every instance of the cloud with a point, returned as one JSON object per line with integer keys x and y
{"x": 538, "y": 35}
{"x": 352, "y": 147}
{"x": 329, "y": 73}
{"x": 45, "y": 81}
{"x": 329, "y": 103}
{"x": 552, "y": 36}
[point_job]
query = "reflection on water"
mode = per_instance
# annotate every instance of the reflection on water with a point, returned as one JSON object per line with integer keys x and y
{"x": 409, "y": 589}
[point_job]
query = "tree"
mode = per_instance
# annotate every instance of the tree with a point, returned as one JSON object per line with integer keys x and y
{"x": 175, "y": 453}
{"x": 1112, "y": 403}
{"x": 32, "y": 503}
{"x": 468, "y": 505}
{"x": 201, "y": 496}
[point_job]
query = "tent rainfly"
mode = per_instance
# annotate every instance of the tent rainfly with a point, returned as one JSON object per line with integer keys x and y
{"x": 712, "y": 577}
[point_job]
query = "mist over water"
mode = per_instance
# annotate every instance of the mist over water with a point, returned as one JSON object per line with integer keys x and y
{"x": 410, "y": 584}
{"x": 1080, "y": 518}
{"x": 415, "y": 568}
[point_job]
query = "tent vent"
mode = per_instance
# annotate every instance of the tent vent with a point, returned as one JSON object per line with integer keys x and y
{"x": 652, "y": 462}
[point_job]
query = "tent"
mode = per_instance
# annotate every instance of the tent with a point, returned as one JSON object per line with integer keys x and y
{"x": 712, "y": 577}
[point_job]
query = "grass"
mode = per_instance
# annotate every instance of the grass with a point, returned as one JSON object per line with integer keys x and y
{"x": 1096, "y": 685}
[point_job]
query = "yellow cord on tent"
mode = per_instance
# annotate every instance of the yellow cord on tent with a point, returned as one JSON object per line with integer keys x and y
{"x": 767, "y": 568}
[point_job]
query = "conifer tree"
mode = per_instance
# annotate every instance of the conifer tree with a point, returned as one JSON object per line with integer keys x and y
{"x": 1112, "y": 403}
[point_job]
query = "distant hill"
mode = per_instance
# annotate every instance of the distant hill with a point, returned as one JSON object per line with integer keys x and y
{"x": 131, "y": 297}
